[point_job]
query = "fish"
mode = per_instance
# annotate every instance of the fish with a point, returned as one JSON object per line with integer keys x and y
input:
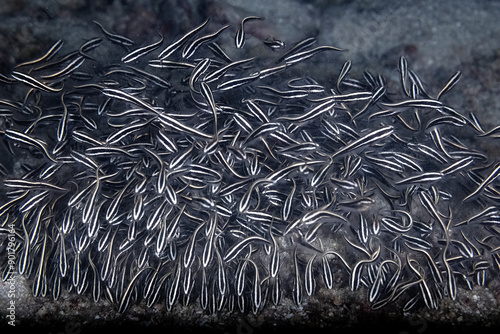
{"x": 239, "y": 38}
{"x": 115, "y": 38}
{"x": 54, "y": 49}
{"x": 303, "y": 55}
{"x": 140, "y": 52}
{"x": 34, "y": 83}
{"x": 487, "y": 180}
{"x": 233, "y": 252}
{"x": 298, "y": 47}
{"x": 450, "y": 84}
{"x": 179, "y": 42}
{"x": 71, "y": 67}
{"x": 274, "y": 44}
{"x": 191, "y": 48}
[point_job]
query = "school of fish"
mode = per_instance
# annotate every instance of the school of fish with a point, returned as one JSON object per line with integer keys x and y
{"x": 175, "y": 174}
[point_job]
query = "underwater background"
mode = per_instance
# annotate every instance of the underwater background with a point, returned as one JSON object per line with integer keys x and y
{"x": 437, "y": 39}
